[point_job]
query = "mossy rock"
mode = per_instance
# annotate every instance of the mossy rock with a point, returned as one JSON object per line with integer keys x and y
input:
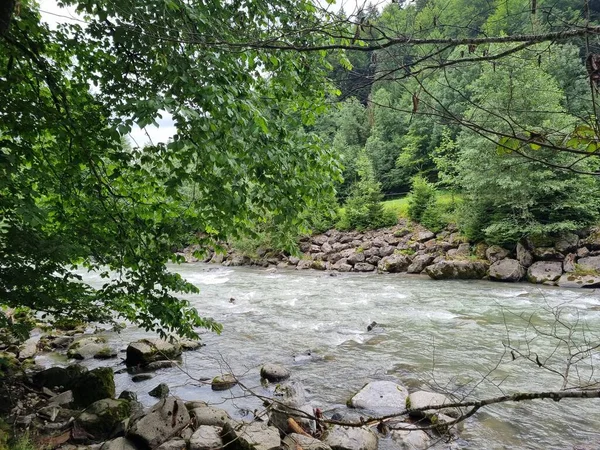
{"x": 8, "y": 364}
{"x": 223, "y": 382}
{"x": 101, "y": 417}
{"x": 94, "y": 385}
{"x": 68, "y": 324}
{"x": 59, "y": 376}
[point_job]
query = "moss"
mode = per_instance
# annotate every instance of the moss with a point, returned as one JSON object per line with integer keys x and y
{"x": 94, "y": 385}
{"x": 68, "y": 324}
{"x": 405, "y": 251}
{"x": 407, "y": 403}
{"x": 583, "y": 271}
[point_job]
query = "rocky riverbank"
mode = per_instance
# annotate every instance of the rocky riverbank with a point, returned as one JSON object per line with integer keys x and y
{"x": 76, "y": 409}
{"x": 569, "y": 260}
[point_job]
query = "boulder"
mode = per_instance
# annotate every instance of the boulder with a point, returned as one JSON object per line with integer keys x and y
{"x": 386, "y": 250}
{"x": 570, "y": 280}
{"x": 165, "y": 419}
{"x": 157, "y": 365}
{"x": 524, "y": 256}
{"x": 160, "y": 391}
{"x": 94, "y": 385}
{"x": 411, "y": 439}
{"x": 119, "y": 443}
{"x": 58, "y": 376}
{"x": 128, "y": 395}
{"x": 274, "y": 372}
{"x": 88, "y": 347}
{"x": 356, "y": 257}
{"x": 279, "y": 415}
{"x": 293, "y": 441}
{"x": 507, "y": 270}
{"x": 173, "y": 444}
{"x": 547, "y": 254}
{"x": 569, "y": 263}
{"x": 293, "y": 260}
{"x": 544, "y": 272}
{"x": 350, "y": 438}
{"x": 589, "y": 263}
{"x": 567, "y": 243}
{"x": 141, "y": 377}
{"x": 364, "y": 267}
{"x": 304, "y": 264}
{"x": 496, "y": 253}
{"x": 223, "y": 382}
{"x": 342, "y": 266}
{"x": 424, "y": 236}
{"x": 251, "y": 436}
{"x": 145, "y": 351}
{"x": 582, "y": 252}
{"x": 210, "y": 416}
{"x": 28, "y": 349}
{"x": 318, "y": 265}
{"x": 423, "y": 399}
{"x": 592, "y": 242}
{"x": 381, "y": 397}
{"x": 419, "y": 263}
{"x": 206, "y": 437}
{"x": 61, "y": 399}
{"x": 101, "y": 417}
{"x": 394, "y": 263}
{"x": 462, "y": 270}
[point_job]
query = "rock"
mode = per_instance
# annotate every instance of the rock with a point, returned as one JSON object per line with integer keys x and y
{"x": 160, "y": 391}
{"x": 189, "y": 344}
{"x": 364, "y": 267}
{"x": 206, "y": 437}
{"x": 274, "y": 372}
{"x": 157, "y": 365}
{"x": 570, "y": 280}
{"x": 569, "y": 263}
{"x": 223, "y": 382}
{"x": 544, "y": 272}
{"x": 304, "y": 264}
{"x": 128, "y": 395}
{"x": 382, "y": 397}
{"x": 419, "y": 263}
{"x": 411, "y": 439}
{"x": 61, "y": 399}
{"x": 524, "y": 256}
{"x": 589, "y": 263}
{"x": 294, "y": 440}
{"x": 582, "y": 252}
{"x": 424, "y": 236}
{"x": 422, "y": 399}
{"x": 290, "y": 394}
{"x": 101, "y": 417}
{"x": 119, "y": 443}
{"x": 251, "y": 436}
{"x": 28, "y": 349}
{"x": 173, "y": 444}
{"x": 87, "y": 347}
{"x": 547, "y": 254}
{"x": 350, "y": 438}
{"x": 145, "y": 351}
{"x": 195, "y": 404}
{"x": 58, "y": 376}
{"x": 293, "y": 260}
{"x": 62, "y": 342}
{"x": 394, "y": 263}
{"x": 318, "y": 265}
{"x": 342, "y": 266}
{"x": 461, "y": 270}
{"x": 567, "y": 243}
{"x": 507, "y": 270}
{"x": 165, "y": 419}
{"x": 210, "y": 416}
{"x": 279, "y": 415}
{"x": 141, "y": 377}
{"x": 94, "y": 385}
{"x": 386, "y": 250}
{"x": 496, "y": 253}
{"x": 463, "y": 251}
{"x": 355, "y": 258}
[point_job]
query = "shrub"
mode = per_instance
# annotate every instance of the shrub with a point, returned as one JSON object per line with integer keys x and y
{"x": 422, "y": 196}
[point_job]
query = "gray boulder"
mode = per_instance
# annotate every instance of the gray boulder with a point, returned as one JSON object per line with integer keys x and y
{"x": 94, "y": 385}
{"x": 206, "y": 437}
{"x": 223, "y": 382}
{"x": 547, "y": 254}
{"x": 544, "y": 272}
{"x": 567, "y": 243}
{"x": 160, "y": 391}
{"x": 383, "y": 397}
{"x": 507, "y": 270}
{"x": 304, "y": 264}
{"x": 59, "y": 376}
{"x": 101, "y": 417}
{"x": 89, "y": 347}
{"x": 28, "y": 349}
{"x": 422, "y": 399}
{"x": 119, "y": 443}
{"x": 364, "y": 267}
{"x": 570, "y": 280}
{"x": 424, "y": 236}
{"x": 251, "y": 436}
{"x": 355, "y": 258}
{"x": 569, "y": 263}
{"x": 461, "y": 270}
{"x": 589, "y": 263}
{"x": 496, "y": 253}
{"x": 173, "y": 444}
{"x": 394, "y": 263}
{"x": 419, "y": 263}
{"x": 145, "y": 351}
{"x": 274, "y": 372}
{"x": 524, "y": 256}
{"x": 411, "y": 439}
{"x": 210, "y": 416}
{"x": 165, "y": 419}
{"x": 279, "y": 415}
{"x": 293, "y": 441}
{"x": 350, "y": 438}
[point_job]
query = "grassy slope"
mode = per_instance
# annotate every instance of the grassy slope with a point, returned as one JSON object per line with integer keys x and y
{"x": 400, "y": 205}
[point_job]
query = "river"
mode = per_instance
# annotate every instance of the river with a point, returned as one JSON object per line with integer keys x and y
{"x": 441, "y": 335}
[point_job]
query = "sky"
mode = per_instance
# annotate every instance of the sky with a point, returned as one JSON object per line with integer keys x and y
{"x": 53, "y": 14}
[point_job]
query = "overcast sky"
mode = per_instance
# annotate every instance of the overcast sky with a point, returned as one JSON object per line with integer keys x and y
{"x": 53, "y": 14}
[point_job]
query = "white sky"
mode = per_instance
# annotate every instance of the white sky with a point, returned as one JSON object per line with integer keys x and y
{"x": 53, "y": 14}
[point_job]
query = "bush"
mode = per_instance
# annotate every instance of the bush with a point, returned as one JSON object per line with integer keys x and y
{"x": 422, "y": 197}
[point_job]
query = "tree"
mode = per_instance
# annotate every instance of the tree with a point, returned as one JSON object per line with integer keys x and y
{"x": 72, "y": 194}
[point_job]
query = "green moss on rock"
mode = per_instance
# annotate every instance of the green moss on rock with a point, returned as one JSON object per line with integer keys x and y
{"x": 94, "y": 385}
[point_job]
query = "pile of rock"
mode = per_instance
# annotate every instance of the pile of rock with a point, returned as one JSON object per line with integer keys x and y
{"x": 569, "y": 260}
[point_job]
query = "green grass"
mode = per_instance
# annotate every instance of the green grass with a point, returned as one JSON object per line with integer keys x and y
{"x": 400, "y": 205}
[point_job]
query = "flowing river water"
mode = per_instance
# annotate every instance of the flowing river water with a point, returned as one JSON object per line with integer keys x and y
{"x": 447, "y": 336}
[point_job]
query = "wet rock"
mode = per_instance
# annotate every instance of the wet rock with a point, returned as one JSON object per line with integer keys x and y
{"x": 157, "y": 365}
{"x": 101, "y": 417}
{"x": 419, "y": 263}
{"x": 544, "y": 272}
{"x": 411, "y": 439}
{"x": 145, "y": 351}
{"x": 496, "y": 253}
{"x": 381, "y": 397}
{"x": 394, "y": 263}
{"x": 274, "y": 372}
{"x": 279, "y": 415}
{"x": 29, "y": 348}
{"x": 294, "y": 440}
{"x": 128, "y": 395}
{"x": 206, "y": 437}
{"x": 589, "y": 263}
{"x": 160, "y": 391}
{"x": 58, "y": 376}
{"x": 570, "y": 280}
{"x": 165, "y": 419}
{"x": 62, "y": 341}
{"x": 94, "y": 385}
{"x": 364, "y": 267}
{"x": 87, "y": 347}
{"x": 141, "y": 377}
{"x": 350, "y": 438}
{"x": 223, "y": 382}
{"x": 524, "y": 256}
{"x": 252, "y": 436}
{"x": 507, "y": 270}
{"x": 460, "y": 270}
{"x": 119, "y": 443}
{"x": 173, "y": 444}
{"x": 210, "y": 416}
{"x": 423, "y": 399}
{"x": 105, "y": 353}
{"x": 195, "y": 404}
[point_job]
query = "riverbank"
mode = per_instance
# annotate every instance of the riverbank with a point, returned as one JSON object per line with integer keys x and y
{"x": 570, "y": 260}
